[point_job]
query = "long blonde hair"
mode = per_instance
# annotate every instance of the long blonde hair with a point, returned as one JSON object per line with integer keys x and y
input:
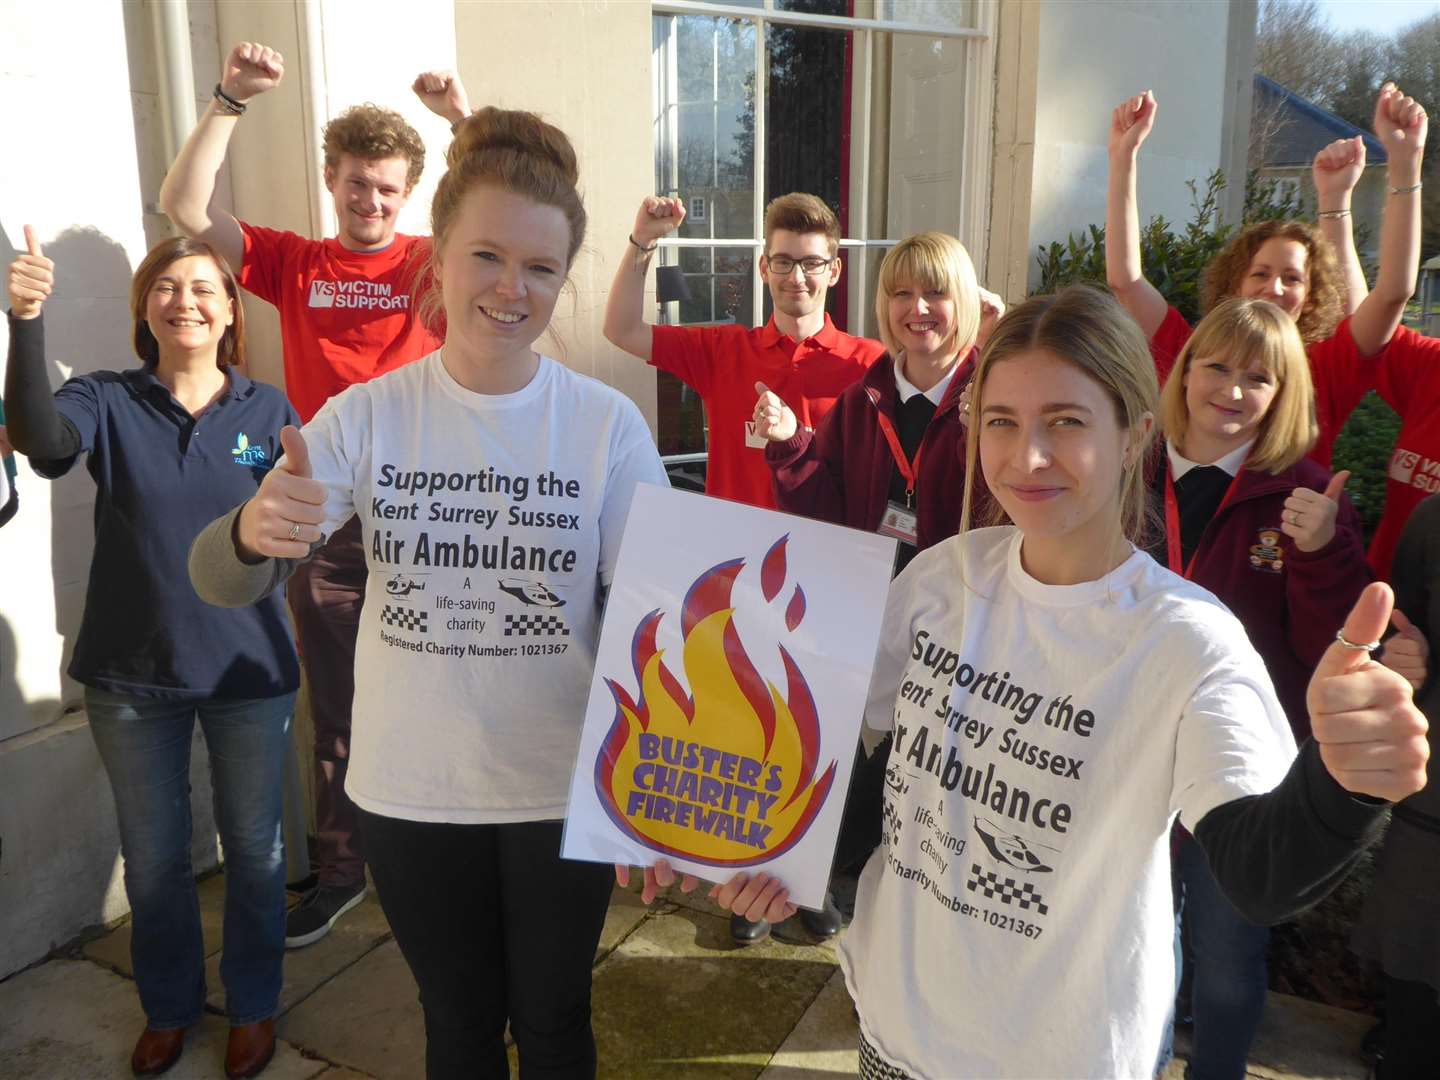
{"x": 1091, "y": 330}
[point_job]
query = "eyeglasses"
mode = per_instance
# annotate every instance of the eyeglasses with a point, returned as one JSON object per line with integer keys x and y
{"x": 812, "y": 266}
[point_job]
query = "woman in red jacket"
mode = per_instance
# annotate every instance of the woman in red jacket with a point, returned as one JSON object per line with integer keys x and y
{"x": 1269, "y": 532}
{"x": 1290, "y": 263}
{"x": 888, "y": 456}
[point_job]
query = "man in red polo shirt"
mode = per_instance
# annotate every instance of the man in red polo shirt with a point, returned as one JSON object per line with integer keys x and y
{"x": 347, "y": 314}
{"x": 799, "y": 353}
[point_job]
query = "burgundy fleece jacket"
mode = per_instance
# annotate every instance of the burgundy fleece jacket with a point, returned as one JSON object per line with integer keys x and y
{"x": 841, "y": 472}
{"x": 1290, "y": 602}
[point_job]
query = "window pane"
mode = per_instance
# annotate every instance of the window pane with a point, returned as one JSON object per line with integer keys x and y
{"x": 815, "y": 7}
{"x": 951, "y": 14}
{"x": 719, "y": 281}
{"x": 705, "y": 121}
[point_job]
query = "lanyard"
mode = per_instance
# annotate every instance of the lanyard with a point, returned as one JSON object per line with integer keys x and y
{"x": 1174, "y": 551}
{"x": 908, "y": 470}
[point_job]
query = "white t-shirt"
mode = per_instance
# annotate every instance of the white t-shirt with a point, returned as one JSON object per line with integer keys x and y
{"x": 1016, "y": 920}
{"x": 489, "y": 523}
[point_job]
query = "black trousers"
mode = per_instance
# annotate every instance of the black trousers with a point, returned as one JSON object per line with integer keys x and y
{"x": 495, "y": 928}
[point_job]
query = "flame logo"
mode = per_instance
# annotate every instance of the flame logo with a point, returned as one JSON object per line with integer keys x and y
{"x": 726, "y": 774}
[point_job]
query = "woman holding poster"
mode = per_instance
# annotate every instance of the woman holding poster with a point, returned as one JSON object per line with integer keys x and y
{"x": 1017, "y": 919}
{"x": 492, "y": 484}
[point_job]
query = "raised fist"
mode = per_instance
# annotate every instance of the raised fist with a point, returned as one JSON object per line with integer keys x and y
{"x": 1336, "y": 170}
{"x": 1130, "y": 123}
{"x": 32, "y": 276}
{"x": 658, "y": 216}
{"x": 443, "y": 94}
{"x": 250, "y": 69}
{"x": 1400, "y": 123}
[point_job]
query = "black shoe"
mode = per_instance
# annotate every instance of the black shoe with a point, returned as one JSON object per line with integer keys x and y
{"x": 311, "y": 919}
{"x": 745, "y": 932}
{"x": 825, "y": 923}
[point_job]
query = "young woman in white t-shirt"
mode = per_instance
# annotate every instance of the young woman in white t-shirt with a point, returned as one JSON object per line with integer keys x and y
{"x": 491, "y": 484}
{"x": 1056, "y": 699}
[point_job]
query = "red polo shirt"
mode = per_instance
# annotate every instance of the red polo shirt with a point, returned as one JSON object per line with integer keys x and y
{"x": 1409, "y": 381}
{"x": 723, "y": 363}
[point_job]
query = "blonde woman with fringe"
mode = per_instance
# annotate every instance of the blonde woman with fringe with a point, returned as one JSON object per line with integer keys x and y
{"x": 886, "y": 458}
{"x": 1056, "y": 698}
{"x": 1270, "y": 533}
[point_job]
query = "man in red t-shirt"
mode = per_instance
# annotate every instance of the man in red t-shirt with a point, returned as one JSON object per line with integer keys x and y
{"x": 347, "y": 315}
{"x": 799, "y": 353}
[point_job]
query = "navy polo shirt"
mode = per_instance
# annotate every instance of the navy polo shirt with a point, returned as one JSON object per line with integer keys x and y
{"x": 162, "y": 475}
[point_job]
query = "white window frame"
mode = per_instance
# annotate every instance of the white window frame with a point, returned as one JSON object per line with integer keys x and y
{"x": 976, "y": 134}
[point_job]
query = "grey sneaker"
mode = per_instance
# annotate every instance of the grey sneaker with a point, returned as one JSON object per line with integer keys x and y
{"x": 311, "y": 919}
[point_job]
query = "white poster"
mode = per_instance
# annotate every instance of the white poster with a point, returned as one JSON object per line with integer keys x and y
{"x": 729, "y": 688}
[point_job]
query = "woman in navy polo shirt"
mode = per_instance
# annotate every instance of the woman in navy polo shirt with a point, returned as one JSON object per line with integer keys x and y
{"x": 171, "y": 445}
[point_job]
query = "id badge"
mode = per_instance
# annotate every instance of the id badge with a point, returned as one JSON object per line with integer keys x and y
{"x": 899, "y": 522}
{"x": 753, "y": 439}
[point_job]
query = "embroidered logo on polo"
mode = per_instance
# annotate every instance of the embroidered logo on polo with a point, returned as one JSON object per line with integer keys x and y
{"x": 1415, "y": 470}
{"x": 247, "y": 453}
{"x": 1267, "y": 556}
{"x": 405, "y": 618}
{"x": 365, "y": 295}
{"x": 535, "y": 626}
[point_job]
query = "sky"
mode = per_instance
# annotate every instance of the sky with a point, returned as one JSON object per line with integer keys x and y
{"x": 1382, "y": 16}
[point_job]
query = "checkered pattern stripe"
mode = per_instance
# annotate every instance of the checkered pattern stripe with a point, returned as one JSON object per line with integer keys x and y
{"x": 874, "y": 1067}
{"x": 1007, "y": 890}
{"x": 535, "y": 625}
{"x": 405, "y": 618}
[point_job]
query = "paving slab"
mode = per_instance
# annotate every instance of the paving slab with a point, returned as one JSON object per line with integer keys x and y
{"x": 678, "y": 999}
{"x": 74, "y": 1020}
{"x": 625, "y": 913}
{"x": 113, "y": 950}
{"x": 306, "y": 970}
{"x": 825, "y": 1043}
{"x": 1304, "y": 1039}
{"x": 367, "y": 1018}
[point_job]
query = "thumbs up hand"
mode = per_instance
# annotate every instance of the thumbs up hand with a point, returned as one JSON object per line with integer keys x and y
{"x": 283, "y": 520}
{"x": 1407, "y": 653}
{"x": 1371, "y": 736}
{"x": 32, "y": 276}
{"x": 1309, "y": 516}
{"x": 774, "y": 420}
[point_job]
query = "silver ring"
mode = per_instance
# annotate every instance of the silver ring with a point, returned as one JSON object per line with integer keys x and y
{"x": 965, "y": 406}
{"x": 1340, "y": 637}
{"x": 295, "y": 531}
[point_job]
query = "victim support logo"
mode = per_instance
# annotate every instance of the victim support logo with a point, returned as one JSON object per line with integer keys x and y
{"x": 365, "y": 295}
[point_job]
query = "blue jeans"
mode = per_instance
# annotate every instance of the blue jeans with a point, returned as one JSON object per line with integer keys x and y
{"x": 1227, "y": 992}
{"x": 145, "y": 745}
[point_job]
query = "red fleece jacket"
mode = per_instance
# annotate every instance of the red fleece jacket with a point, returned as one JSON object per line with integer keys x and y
{"x": 1290, "y": 602}
{"x": 841, "y": 473}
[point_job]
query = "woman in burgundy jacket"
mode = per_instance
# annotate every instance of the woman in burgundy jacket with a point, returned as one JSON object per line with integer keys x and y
{"x": 1269, "y": 532}
{"x": 889, "y": 457}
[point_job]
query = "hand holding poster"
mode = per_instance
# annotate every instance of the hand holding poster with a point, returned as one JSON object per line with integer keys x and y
{"x": 729, "y": 687}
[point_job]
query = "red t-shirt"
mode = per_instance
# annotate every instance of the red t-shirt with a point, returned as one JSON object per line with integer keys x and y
{"x": 1341, "y": 375}
{"x": 345, "y": 316}
{"x": 1408, "y": 379}
{"x": 723, "y": 364}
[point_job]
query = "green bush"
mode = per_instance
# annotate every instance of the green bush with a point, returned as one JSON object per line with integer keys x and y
{"x": 1173, "y": 261}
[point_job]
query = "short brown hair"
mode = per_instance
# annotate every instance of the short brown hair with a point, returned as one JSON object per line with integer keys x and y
{"x": 161, "y": 256}
{"x": 1324, "y": 305}
{"x": 371, "y": 133}
{"x": 1244, "y": 333}
{"x": 801, "y": 213}
{"x": 515, "y": 151}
